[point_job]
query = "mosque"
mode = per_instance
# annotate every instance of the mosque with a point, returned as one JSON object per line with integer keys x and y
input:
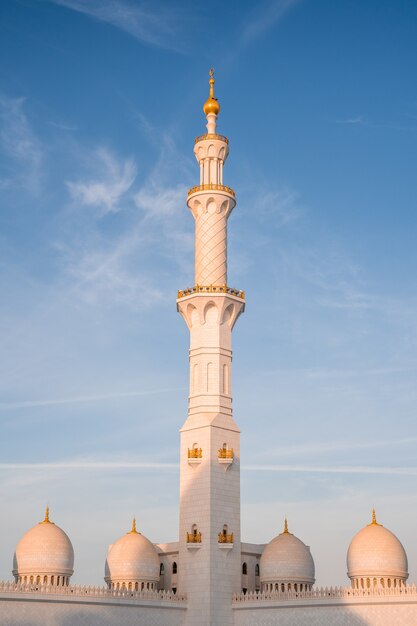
{"x": 209, "y": 577}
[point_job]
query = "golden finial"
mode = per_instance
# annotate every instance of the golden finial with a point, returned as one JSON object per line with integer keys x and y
{"x": 374, "y": 522}
{"x": 286, "y": 531}
{"x": 46, "y": 520}
{"x": 211, "y": 105}
{"x": 133, "y": 531}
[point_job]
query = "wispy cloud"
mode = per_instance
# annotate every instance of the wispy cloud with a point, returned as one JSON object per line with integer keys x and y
{"x": 82, "y": 399}
{"x": 160, "y": 25}
{"x": 93, "y": 465}
{"x": 336, "y": 469}
{"x": 337, "y": 446}
{"x": 280, "y": 206}
{"x": 358, "y": 119}
{"x": 266, "y": 15}
{"x": 105, "y": 191}
{"x": 20, "y": 145}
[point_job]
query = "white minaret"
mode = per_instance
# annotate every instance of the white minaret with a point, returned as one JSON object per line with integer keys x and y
{"x": 209, "y": 563}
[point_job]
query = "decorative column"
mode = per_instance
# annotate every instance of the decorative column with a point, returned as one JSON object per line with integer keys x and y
{"x": 209, "y": 564}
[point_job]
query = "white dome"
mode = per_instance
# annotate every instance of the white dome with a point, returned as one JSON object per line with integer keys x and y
{"x": 287, "y": 559}
{"x": 133, "y": 558}
{"x": 376, "y": 551}
{"x": 44, "y": 550}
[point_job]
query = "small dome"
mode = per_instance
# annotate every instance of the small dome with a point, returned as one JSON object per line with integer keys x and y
{"x": 376, "y": 551}
{"x": 211, "y": 105}
{"x": 45, "y": 550}
{"x": 132, "y": 559}
{"x": 286, "y": 559}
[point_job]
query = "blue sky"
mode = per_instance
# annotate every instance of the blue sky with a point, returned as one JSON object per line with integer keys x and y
{"x": 100, "y": 102}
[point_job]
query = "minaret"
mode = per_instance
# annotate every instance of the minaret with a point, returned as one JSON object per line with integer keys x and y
{"x": 209, "y": 563}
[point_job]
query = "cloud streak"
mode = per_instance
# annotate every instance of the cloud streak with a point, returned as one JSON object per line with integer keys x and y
{"x": 107, "y": 190}
{"x": 82, "y": 399}
{"x": 161, "y": 28}
{"x": 265, "y": 17}
{"x": 20, "y": 144}
{"x": 282, "y": 468}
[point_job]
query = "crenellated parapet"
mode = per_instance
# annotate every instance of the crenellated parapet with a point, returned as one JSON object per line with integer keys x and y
{"x": 325, "y": 593}
{"x": 84, "y": 591}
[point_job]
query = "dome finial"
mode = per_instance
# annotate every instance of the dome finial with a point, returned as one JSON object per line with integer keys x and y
{"x": 374, "y": 522}
{"x": 133, "y": 531}
{"x": 211, "y": 105}
{"x": 286, "y": 531}
{"x": 46, "y": 520}
{"x": 211, "y": 82}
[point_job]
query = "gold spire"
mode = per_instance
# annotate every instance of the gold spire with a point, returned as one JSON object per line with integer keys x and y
{"x": 374, "y": 522}
{"x": 211, "y": 105}
{"x": 286, "y": 531}
{"x": 46, "y": 520}
{"x": 133, "y": 531}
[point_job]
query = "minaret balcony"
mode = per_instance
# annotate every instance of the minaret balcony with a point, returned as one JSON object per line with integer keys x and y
{"x": 211, "y": 136}
{"x": 225, "y": 541}
{"x": 211, "y": 187}
{"x": 225, "y": 456}
{"x": 193, "y": 540}
{"x": 195, "y": 455}
{"x": 211, "y": 289}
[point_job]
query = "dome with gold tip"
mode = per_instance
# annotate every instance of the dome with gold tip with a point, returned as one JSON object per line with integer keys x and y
{"x": 211, "y": 105}
{"x": 132, "y": 562}
{"x": 286, "y": 564}
{"x": 376, "y": 557}
{"x": 44, "y": 555}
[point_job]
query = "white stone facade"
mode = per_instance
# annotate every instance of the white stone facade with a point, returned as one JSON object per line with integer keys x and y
{"x": 209, "y": 577}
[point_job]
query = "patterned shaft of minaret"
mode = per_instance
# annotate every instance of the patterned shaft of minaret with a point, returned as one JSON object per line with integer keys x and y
{"x": 209, "y": 552}
{"x": 211, "y": 210}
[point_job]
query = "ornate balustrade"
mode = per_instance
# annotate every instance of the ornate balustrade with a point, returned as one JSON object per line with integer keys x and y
{"x": 211, "y": 136}
{"x": 225, "y": 454}
{"x": 211, "y": 187}
{"x": 325, "y": 593}
{"x": 90, "y": 591}
{"x": 211, "y": 289}
{"x": 195, "y": 453}
{"x": 194, "y": 537}
{"x": 225, "y": 538}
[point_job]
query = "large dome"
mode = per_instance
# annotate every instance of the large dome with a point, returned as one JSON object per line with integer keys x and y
{"x": 286, "y": 560}
{"x": 132, "y": 560}
{"x": 44, "y": 555}
{"x": 376, "y": 552}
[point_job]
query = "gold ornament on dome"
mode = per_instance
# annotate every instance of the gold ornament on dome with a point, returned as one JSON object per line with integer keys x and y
{"x": 211, "y": 105}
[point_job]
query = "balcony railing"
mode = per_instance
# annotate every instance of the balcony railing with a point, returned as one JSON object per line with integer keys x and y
{"x": 225, "y": 538}
{"x": 211, "y": 187}
{"x": 193, "y": 537}
{"x": 225, "y": 454}
{"x": 195, "y": 453}
{"x": 211, "y": 136}
{"x": 211, "y": 289}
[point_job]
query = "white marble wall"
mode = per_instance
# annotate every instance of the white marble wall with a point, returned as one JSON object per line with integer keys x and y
{"x": 25, "y": 611}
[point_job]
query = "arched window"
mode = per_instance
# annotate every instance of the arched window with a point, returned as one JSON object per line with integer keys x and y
{"x": 225, "y": 530}
{"x": 257, "y": 569}
{"x": 282, "y": 587}
{"x": 174, "y": 567}
{"x": 244, "y": 569}
{"x": 161, "y": 569}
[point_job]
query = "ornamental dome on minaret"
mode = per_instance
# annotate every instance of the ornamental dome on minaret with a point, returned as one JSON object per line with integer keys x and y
{"x": 376, "y": 556}
{"x": 132, "y": 562}
{"x": 211, "y": 105}
{"x": 44, "y": 555}
{"x": 286, "y": 563}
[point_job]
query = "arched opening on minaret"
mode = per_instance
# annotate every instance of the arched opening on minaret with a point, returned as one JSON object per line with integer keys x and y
{"x": 210, "y": 372}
